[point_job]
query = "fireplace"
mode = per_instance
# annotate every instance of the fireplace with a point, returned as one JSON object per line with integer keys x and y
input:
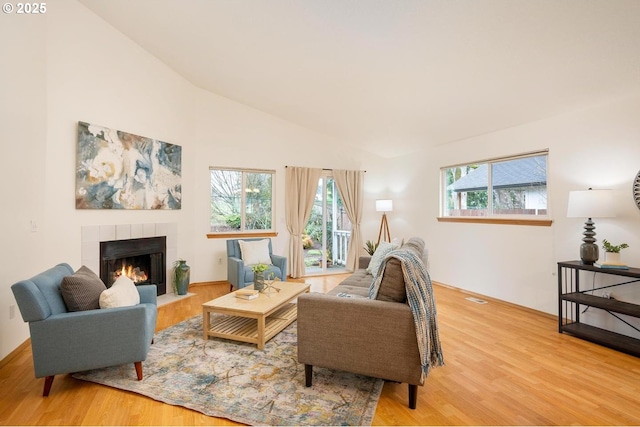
{"x": 142, "y": 260}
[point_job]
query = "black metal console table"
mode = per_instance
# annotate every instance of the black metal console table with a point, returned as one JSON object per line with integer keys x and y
{"x": 570, "y": 298}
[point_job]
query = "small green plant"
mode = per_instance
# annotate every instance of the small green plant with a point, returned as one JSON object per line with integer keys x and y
{"x": 370, "y": 247}
{"x": 259, "y": 268}
{"x": 608, "y": 247}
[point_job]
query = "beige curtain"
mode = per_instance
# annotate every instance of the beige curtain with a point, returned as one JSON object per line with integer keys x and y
{"x": 350, "y": 185}
{"x": 300, "y": 191}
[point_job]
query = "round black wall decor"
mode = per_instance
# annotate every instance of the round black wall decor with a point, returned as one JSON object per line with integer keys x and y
{"x": 636, "y": 190}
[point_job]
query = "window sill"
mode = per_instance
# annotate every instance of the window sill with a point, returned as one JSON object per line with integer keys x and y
{"x": 240, "y": 235}
{"x": 502, "y": 221}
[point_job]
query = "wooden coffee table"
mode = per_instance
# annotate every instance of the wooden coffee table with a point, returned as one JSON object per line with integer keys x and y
{"x": 254, "y": 321}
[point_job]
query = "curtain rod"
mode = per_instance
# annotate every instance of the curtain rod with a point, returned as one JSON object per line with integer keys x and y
{"x": 324, "y": 169}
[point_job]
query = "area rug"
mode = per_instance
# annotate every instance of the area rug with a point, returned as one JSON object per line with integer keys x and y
{"x": 234, "y": 380}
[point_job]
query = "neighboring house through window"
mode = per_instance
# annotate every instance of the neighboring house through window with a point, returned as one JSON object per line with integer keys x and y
{"x": 242, "y": 200}
{"x": 514, "y": 186}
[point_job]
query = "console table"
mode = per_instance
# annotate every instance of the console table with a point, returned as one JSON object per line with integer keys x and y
{"x": 571, "y": 297}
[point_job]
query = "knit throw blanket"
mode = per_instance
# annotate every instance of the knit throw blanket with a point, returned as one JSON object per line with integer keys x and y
{"x": 422, "y": 304}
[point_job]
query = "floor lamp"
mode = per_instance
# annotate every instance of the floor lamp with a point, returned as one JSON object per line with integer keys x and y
{"x": 384, "y": 206}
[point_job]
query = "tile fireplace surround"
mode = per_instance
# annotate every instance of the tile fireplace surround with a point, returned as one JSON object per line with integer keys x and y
{"x": 92, "y": 235}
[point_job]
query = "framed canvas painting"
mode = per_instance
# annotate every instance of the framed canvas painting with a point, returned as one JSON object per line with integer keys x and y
{"x": 119, "y": 170}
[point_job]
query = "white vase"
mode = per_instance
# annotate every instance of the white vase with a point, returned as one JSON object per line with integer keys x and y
{"x": 612, "y": 258}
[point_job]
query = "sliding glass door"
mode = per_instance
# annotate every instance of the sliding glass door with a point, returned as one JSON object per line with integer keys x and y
{"x": 328, "y": 231}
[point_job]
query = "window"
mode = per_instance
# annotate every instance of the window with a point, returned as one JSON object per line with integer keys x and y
{"x": 508, "y": 187}
{"x": 242, "y": 200}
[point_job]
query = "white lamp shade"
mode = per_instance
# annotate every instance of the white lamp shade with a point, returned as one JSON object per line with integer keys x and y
{"x": 591, "y": 204}
{"x": 384, "y": 205}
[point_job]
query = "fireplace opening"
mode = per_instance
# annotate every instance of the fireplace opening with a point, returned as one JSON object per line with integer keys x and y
{"x": 142, "y": 260}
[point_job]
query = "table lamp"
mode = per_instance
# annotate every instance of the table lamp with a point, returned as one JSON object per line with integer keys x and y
{"x": 590, "y": 204}
{"x": 384, "y": 206}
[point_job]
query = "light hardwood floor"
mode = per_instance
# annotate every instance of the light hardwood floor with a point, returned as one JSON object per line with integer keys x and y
{"x": 505, "y": 365}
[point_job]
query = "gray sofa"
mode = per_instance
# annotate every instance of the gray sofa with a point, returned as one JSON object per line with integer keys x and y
{"x": 64, "y": 341}
{"x": 345, "y": 330}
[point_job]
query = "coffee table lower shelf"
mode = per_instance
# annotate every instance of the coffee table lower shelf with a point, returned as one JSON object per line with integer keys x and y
{"x": 245, "y": 329}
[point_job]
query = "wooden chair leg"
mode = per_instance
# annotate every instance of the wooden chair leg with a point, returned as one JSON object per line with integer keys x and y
{"x": 138, "y": 366}
{"x": 48, "y": 381}
{"x": 308, "y": 375}
{"x": 413, "y": 395}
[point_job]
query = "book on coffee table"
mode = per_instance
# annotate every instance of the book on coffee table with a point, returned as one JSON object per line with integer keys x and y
{"x": 247, "y": 294}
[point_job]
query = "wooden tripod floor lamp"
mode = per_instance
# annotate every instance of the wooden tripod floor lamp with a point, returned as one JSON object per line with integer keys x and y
{"x": 384, "y": 206}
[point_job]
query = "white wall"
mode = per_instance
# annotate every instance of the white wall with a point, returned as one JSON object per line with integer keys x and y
{"x": 597, "y": 147}
{"x": 23, "y": 118}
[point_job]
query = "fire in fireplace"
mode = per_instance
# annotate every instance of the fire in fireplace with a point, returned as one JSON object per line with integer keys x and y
{"x": 142, "y": 260}
{"x": 136, "y": 274}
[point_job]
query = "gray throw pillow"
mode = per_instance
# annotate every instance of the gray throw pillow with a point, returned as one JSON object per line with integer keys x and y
{"x": 81, "y": 291}
{"x": 392, "y": 285}
{"x": 415, "y": 245}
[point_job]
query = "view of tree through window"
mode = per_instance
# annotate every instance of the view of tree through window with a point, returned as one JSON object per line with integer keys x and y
{"x": 241, "y": 200}
{"x": 518, "y": 186}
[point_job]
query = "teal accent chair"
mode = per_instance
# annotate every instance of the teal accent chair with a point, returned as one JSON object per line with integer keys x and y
{"x": 241, "y": 275}
{"x": 65, "y": 342}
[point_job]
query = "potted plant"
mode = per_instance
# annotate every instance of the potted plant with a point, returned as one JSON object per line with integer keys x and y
{"x": 612, "y": 252}
{"x": 258, "y": 275}
{"x": 307, "y": 241}
{"x": 328, "y": 257}
{"x": 370, "y": 247}
{"x": 181, "y": 273}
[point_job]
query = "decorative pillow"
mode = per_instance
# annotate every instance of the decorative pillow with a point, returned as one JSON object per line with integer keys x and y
{"x": 122, "y": 293}
{"x": 397, "y": 241}
{"x": 392, "y": 287}
{"x": 378, "y": 256}
{"x": 255, "y": 251}
{"x": 416, "y": 245}
{"x": 81, "y": 291}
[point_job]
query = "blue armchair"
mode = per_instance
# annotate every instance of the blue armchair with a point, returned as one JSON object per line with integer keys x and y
{"x": 64, "y": 342}
{"x": 241, "y": 275}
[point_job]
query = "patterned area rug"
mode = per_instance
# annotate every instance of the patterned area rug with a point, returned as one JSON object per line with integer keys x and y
{"x": 234, "y": 380}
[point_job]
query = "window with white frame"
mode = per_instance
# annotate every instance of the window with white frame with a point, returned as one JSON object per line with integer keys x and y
{"x": 513, "y": 186}
{"x": 242, "y": 200}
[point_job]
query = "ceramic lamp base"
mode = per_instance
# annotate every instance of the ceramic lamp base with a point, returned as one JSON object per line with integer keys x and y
{"x": 589, "y": 253}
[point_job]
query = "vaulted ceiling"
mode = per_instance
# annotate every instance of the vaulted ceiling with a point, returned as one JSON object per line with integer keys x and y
{"x": 393, "y": 76}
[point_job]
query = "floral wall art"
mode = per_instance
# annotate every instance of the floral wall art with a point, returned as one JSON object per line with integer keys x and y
{"x": 119, "y": 170}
